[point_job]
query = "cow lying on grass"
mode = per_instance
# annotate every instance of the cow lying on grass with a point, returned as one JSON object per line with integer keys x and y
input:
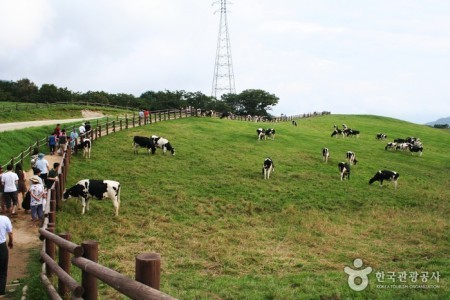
{"x": 100, "y": 189}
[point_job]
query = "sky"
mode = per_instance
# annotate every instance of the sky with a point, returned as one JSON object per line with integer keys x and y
{"x": 378, "y": 57}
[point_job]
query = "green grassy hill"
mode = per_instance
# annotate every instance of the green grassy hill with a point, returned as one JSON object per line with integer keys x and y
{"x": 225, "y": 233}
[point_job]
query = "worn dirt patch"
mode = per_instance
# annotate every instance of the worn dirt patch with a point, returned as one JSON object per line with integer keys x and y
{"x": 91, "y": 114}
{"x": 26, "y": 237}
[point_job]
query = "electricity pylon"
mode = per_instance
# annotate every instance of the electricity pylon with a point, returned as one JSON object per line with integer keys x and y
{"x": 223, "y": 81}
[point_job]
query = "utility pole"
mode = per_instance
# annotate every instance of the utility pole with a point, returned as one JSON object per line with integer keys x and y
{"x": 223, "y": 81}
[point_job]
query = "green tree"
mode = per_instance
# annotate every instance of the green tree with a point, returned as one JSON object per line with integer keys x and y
{"x": 25, "y": 90}
{"x": 252, "y": 102}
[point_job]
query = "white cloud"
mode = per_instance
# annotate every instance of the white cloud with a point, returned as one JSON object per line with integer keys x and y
{"x": 344, "y": 57}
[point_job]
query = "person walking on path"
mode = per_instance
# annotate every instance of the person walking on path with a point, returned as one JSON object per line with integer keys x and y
{"x": 52, "y": 141}
{"x": 37, "y": 193}
{"x": 5, "y": 229}
{"x": 10, "y": 181}
{"x": 42, "y": 164}
{"x": 21, "y": 186}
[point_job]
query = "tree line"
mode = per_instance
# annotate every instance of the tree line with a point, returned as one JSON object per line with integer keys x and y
{"x": 248, "y": 102}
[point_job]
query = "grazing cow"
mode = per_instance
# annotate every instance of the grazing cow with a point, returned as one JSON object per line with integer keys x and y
{"x": 268, "y": 167}
{"x": 415, "y": 148}
{"x": 260, "y": 132}
{"x": 325, "y": 154}
{"x": 337, "y": 132}
{"x": 225, "y": 114}
{"x": 402, "y": 146}
{"x": 145, "y": 142}
{"x": 294, "y": 123}
{"x": 381, "y": 136}
{"x": 89, "y": 188}
{"x": 385, "y": 175}
{"x": 391, "y": 145}
{"x": 85, "y": 145}
{"x": 344, "y": 169}
{"x": 270, "y": 133}
{"x": 164, "y": 145}
{"x": 411, "y": 140}
{"x": 351, "y": 132}
{"x": 351, "y": 157}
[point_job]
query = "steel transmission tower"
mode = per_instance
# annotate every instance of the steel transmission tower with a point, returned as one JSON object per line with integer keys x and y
{"x": 223, "y": 81}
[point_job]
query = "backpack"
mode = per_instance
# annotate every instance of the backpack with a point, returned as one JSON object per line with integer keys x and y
{"x": 26, "y": 201}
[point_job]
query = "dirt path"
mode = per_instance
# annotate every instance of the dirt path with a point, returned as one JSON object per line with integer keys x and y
{"x": 26, "y": 238}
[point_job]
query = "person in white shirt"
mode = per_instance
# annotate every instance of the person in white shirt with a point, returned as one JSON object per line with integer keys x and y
{"x": 10, "y": 180}
{"x": 82, "y": 130}
{"x": 5, "y": 229}
{"x": 42, "y": 164}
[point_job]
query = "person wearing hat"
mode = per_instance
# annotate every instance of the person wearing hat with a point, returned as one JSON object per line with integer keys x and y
{"x": 82, "y": 130}
{"x": 42, "y": 164}
{"x": 10, "y": 181}
{"x": 37, "y": 193}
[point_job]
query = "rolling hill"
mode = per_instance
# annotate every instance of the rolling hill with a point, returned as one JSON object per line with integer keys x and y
{"x": 225, "y": 233}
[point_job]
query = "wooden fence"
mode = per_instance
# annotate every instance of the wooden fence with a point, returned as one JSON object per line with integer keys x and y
{"x": 148, "y": 265}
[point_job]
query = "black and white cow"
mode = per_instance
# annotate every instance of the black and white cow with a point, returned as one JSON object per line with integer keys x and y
{"x": 294, "y": 123}
{"x": 415, "y": 148}
{"x": 352, "y": 132}
{"x": 261, "y": 133}
{"x": 381, "y": 136}
{"x": 85, "y": 145}
{"x": 325, "y": 154}
{"x": 351, "y": 157}
{"x": 164, "y": 144}
{"x": 270, "y": 133}
{"x": 391, "y": 145}
{"x": 385, "y": 175}
{"x": 100, "y": 189}
{"x": 337, "y": 132}
{"x": 145, "y": 142}
{"x": 411, "y": 140}
{"x": 403, "y": 146}
{"x": 225, "y": 114}
{"x": 268, "y": 167}
{"x": 344, "y": 169}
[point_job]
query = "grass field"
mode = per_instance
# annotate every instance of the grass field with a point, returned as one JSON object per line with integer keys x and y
{"x": 225, "y": 233}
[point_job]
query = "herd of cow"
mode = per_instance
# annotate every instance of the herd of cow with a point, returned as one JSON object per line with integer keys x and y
{"x": 100, "y": 189}
{"x": 410, "y": 143}
{"x": 85, "y": 189}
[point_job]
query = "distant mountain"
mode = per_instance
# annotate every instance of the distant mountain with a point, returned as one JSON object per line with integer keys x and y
{"x": 440, "y": 121}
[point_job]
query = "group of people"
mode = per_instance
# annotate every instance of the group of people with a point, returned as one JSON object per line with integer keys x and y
{"x": 59, "y": 139}
{"x": 14, "y": 195}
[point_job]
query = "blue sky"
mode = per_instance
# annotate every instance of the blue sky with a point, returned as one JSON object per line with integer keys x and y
{"x": 381, "y": 57}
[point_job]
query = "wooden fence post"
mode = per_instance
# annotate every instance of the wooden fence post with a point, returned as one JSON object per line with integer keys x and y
{"x": 50, "y": 249}
{"x": 57, "y": 193}
{"x": 148, "y": 269}
{"x": 64, "y": 263}
{"x": 89, "y": 282}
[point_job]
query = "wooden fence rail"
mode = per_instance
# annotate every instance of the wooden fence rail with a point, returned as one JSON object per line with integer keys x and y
{"x": 85, "y": 257}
